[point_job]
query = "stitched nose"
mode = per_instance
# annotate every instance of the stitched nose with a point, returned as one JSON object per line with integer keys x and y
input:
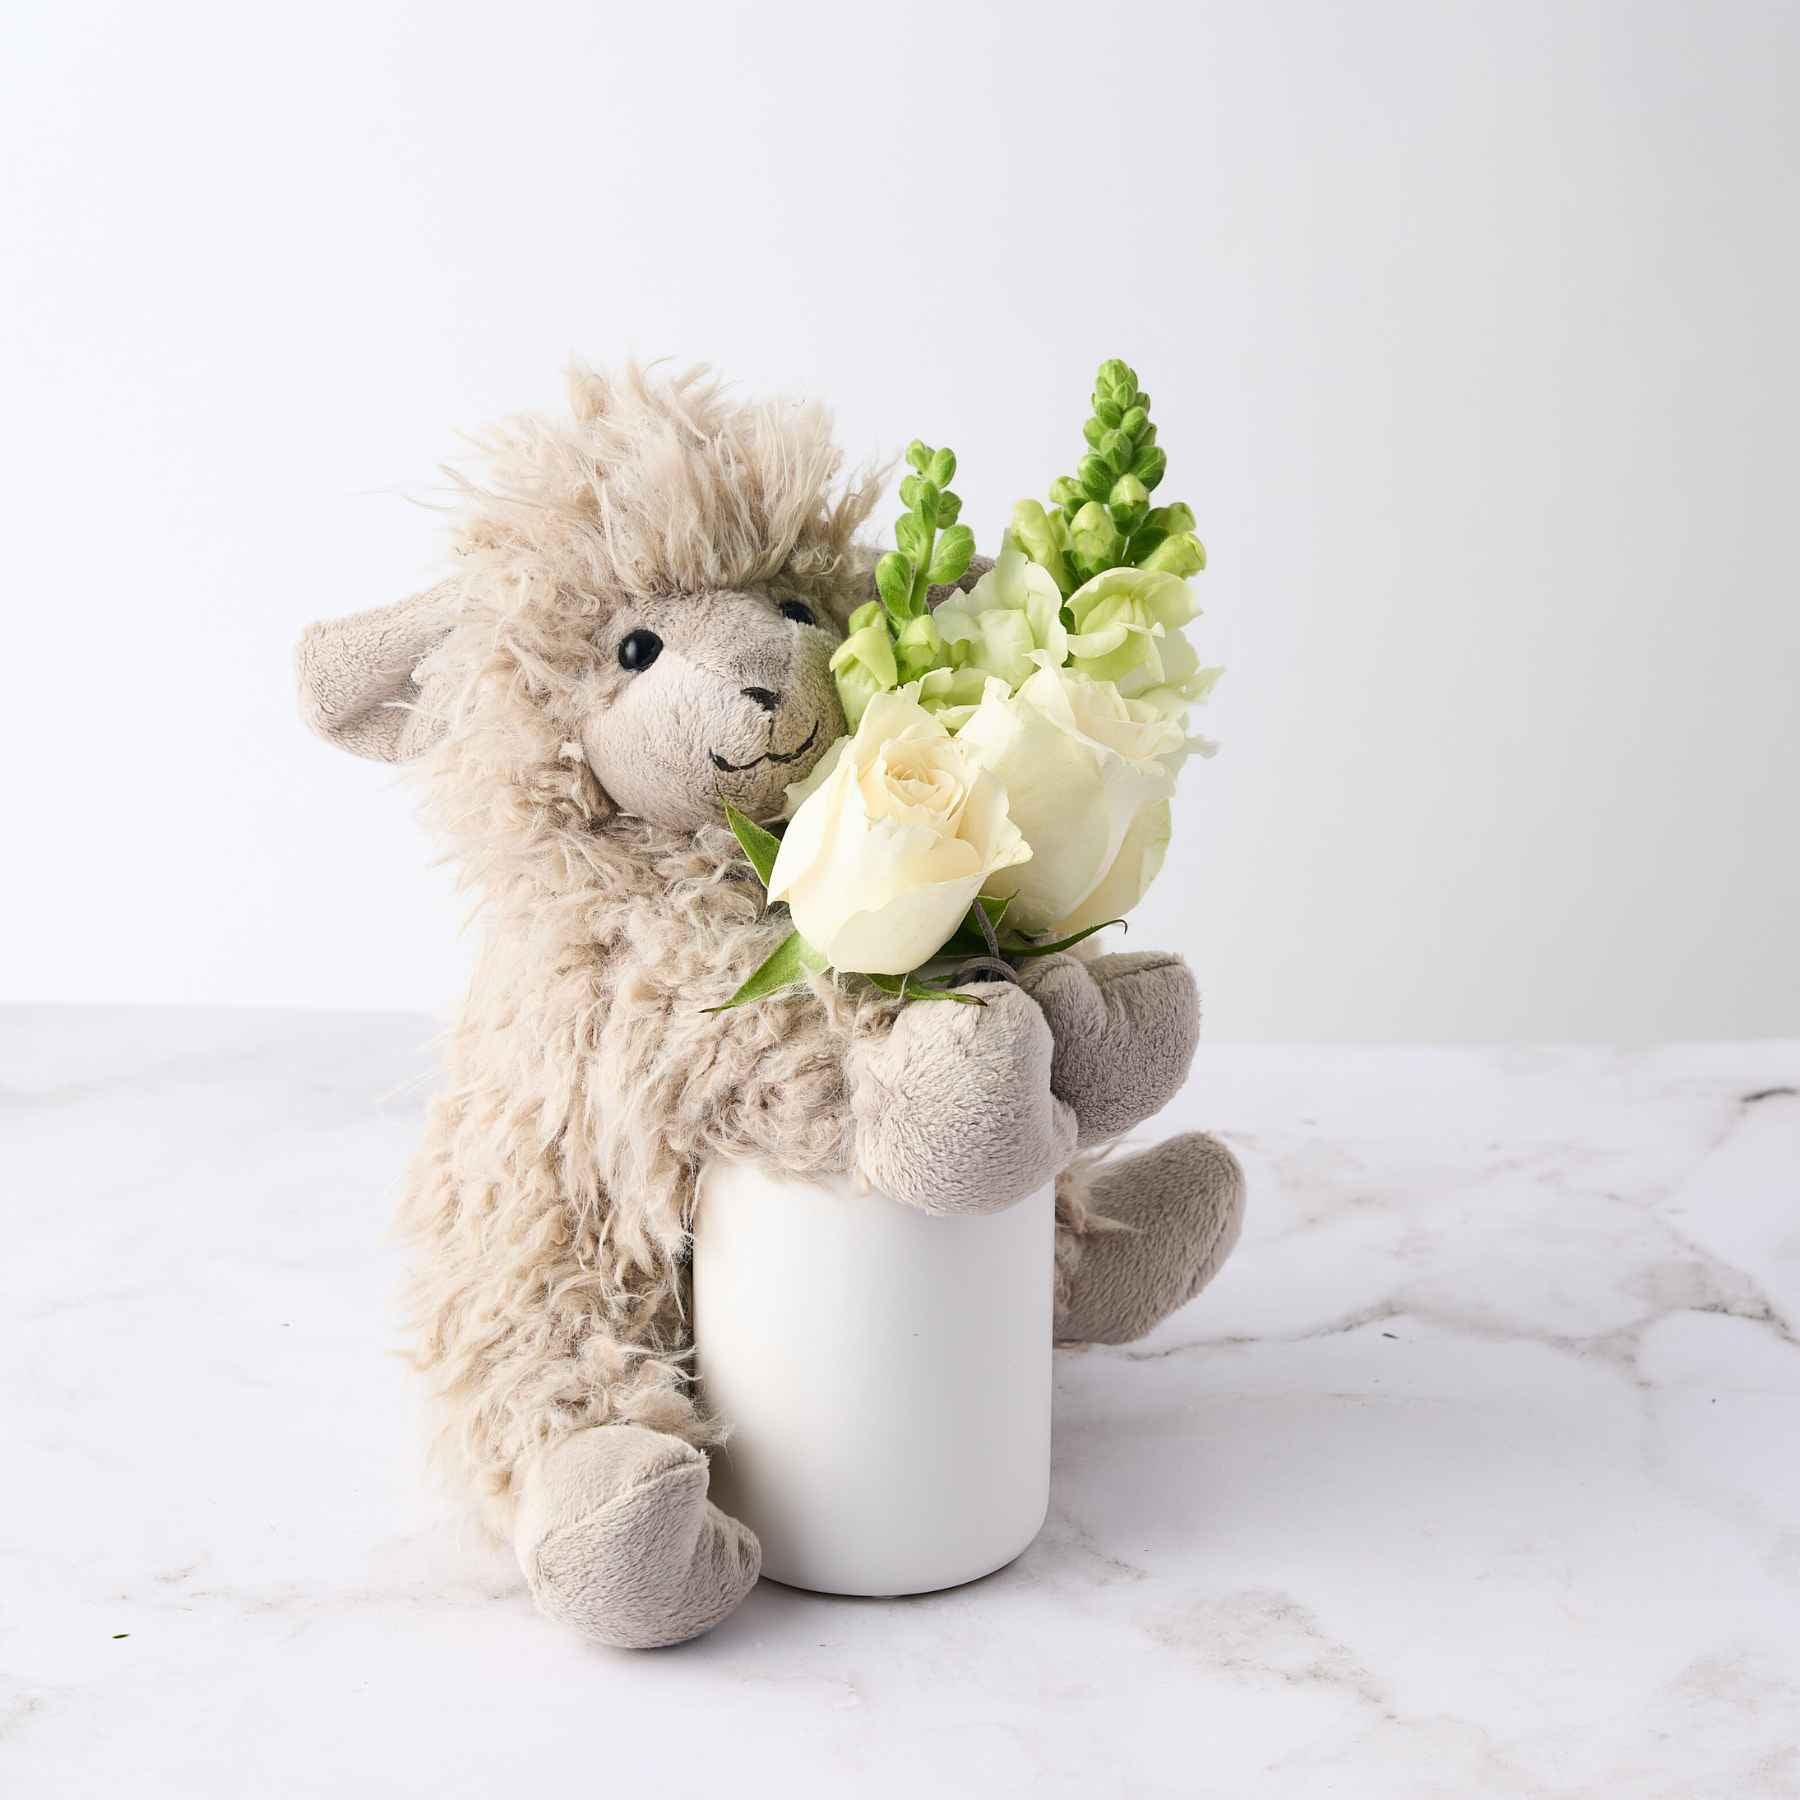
{"x": 763, "y": 697}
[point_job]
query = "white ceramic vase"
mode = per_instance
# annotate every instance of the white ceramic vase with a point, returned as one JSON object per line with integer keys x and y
{"x": 884, "y": 1375}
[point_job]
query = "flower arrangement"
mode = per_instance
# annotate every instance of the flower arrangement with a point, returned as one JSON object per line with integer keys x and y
{"x": 1004, "y": 788}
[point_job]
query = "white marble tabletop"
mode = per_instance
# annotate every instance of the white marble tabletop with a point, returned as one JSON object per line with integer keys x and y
{"x": 1476, "y": 1473}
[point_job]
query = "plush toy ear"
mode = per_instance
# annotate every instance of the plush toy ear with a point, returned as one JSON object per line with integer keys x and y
{"x": 356, "y": 675}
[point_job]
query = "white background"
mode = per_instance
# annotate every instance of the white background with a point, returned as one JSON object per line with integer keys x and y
{"x": 1470, "y": 331}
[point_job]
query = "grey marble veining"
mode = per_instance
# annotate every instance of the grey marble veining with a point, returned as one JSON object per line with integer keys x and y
{"x": 1477, "y": 1473}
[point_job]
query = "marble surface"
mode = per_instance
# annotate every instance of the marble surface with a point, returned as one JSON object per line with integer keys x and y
{"x": 1477, "y": 1472}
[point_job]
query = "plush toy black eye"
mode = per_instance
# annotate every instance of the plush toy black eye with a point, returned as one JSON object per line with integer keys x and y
{"x": 798, "y": 612}
{"x": 638, "y": 650}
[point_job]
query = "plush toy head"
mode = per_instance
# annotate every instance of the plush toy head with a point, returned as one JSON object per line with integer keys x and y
{"x": 646, "y": 600}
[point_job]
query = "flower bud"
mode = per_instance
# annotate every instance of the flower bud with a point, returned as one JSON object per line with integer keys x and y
{"x": 1150, "y": 466}
{"x": 1095, "y": 476}
{"x": 955, "y": 551}
{"x": 918, "y": 648}
{"x": 893, "y": 582}
{"x": 1115, "y": 375}
{"x": 1036, "y": 534}
{"x": 1182, "y": 555}
{"x": 1129, "y": 501}
{"x": 1094, "y": 537}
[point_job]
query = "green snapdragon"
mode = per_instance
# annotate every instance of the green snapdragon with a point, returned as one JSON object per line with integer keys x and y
{"x": 893, "y": 640}
{"x": 1100, "y": 517}
{"x": 933, "y": 549}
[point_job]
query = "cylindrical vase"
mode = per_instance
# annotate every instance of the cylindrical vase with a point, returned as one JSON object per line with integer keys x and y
{"x": 883, "y": 1374}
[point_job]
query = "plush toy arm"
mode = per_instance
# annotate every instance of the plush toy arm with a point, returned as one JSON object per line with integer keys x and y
{"x": 1125, "y": 1028}
{"x": 767, "y": 1082}
{"x": 946, "y": 1107}
{"x": 953, "y": 1109}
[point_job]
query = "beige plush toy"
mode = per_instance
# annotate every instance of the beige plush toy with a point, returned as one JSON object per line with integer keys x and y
{"x": 644, "y": 599}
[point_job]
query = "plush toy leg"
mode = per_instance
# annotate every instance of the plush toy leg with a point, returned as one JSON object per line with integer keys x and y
{"x": 617, "y": 1538}
{"x": 1125, "y": 1028}
{"x": 1142, "y": 1235}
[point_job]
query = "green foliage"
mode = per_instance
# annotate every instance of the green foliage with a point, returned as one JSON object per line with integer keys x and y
{"x": 984, "y": 932}
{"x": 759, "y": 845}
{"x": 1101, "y": 516}
{"x": 910, "y": 987}
{"x": 792, "y": 960}
{"x": 1028, "y": 947}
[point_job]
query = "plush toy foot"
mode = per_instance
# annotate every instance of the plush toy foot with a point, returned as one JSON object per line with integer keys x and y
{"x": 617, "y": 1538}
{"x": 1125, "y": 1030}
{"x": 1181, "y": 1205}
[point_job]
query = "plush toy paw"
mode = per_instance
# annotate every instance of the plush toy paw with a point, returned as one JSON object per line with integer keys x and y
{"x": 1125, "y": 1029}
{"x": 1181, "y": 1206}
{"x": 953, "y": 1108}
{"x": 617, "y": 1538}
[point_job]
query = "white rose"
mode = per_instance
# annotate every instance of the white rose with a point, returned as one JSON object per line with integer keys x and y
{"x": 1088, "y": 776}
{"x": 893, "y": 835}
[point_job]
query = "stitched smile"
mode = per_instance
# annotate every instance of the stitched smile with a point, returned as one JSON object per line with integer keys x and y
{"x": 773, "y": 756}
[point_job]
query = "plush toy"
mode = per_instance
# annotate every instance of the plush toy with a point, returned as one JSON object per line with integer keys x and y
{"x": 644, "y": 600}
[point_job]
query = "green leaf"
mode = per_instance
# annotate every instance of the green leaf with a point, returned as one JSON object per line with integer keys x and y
{"x": 943, "y": 467}
{"x": 910, "y": 535}
{"x": 909, "y": 491}
{"x": 1024, "y": 947}
{"x": 949, "y": 507}
{"x": 792, "y": 960}
{"x": 905, "y": 987}
{"x": 759, "y": 845}
{"x": 893, "y": 581}
{"x": 918, "y": 453}
{"x": 969, "y": 939}
{"x": 955, "y": 551}
{"x": 925, "y": 503}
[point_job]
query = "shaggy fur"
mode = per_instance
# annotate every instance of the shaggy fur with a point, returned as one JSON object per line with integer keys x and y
{"x": 585, "y": 1086}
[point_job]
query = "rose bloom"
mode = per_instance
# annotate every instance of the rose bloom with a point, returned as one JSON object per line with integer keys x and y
{"x": 1088, "y": 775}
{"x": 893, "y": 835}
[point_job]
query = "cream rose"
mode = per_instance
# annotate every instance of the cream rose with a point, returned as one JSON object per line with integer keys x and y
{"x": 1088, "y": 775}
{"x": 893, "y": 835}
